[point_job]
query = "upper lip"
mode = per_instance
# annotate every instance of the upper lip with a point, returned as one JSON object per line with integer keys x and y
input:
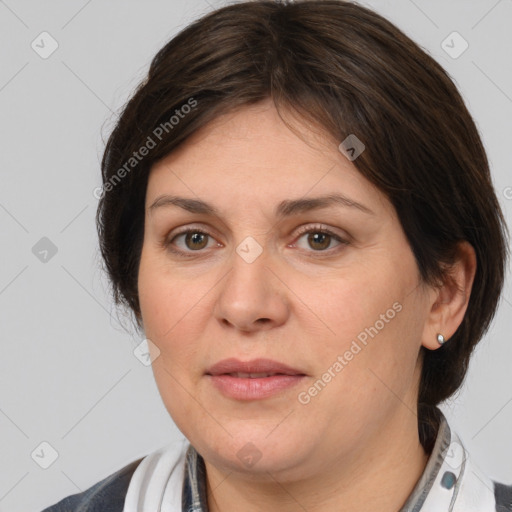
{"x": 233, "y": 365}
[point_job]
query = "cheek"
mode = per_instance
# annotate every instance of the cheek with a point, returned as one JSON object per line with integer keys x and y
{"x": 166, "y": 301}
{"x": 347, "y": 305}
{"x": 374, "y": 320}
{"x": 169, "y": 308}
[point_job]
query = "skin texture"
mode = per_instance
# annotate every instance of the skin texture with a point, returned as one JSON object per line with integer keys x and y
{"x": 354, "y": 446}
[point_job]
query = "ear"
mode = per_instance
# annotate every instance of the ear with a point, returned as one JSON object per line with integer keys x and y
{"x": 449, "y": 302}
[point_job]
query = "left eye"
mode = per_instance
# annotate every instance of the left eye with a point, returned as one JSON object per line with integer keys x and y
{"x": 320, "y": 240}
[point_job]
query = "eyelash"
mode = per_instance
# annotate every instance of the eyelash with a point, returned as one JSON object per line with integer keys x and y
{"x": 302, "y": 231}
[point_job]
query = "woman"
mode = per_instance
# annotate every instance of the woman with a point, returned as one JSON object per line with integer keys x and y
{"x": 297, "y": 208}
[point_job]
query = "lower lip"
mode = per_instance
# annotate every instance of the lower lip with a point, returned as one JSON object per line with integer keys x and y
{"x": 253, "y": 389}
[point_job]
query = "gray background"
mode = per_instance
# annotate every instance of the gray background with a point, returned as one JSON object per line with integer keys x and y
{"x": 68, "y": 375}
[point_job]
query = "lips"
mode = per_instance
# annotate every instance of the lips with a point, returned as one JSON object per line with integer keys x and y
{"x": 258, "y": 379}
{"x": 254, "y": 369}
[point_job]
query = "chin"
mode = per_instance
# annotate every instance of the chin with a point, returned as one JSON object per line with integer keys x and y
{"x": 253, "y": 454}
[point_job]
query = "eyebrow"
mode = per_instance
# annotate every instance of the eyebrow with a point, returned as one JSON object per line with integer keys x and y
{"x": 285, "y": 208}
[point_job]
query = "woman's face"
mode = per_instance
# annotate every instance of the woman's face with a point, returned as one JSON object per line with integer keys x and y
{"x": 328, "y": 290}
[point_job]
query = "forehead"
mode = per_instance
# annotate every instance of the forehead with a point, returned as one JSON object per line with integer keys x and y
{"x": 252, "y": 156}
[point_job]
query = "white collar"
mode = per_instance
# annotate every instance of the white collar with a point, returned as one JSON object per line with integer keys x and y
{"x": 157, "y": 483}
{"x": 451, "y": 482}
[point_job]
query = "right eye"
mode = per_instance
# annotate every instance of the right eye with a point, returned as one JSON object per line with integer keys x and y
{"x": 191, "y": 240}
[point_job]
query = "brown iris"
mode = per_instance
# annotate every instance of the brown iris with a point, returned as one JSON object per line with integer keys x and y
{"x": 319, "y": 240}
{"x": 199, "y": 240}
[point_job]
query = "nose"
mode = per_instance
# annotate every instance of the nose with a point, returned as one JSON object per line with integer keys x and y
{"x": 252, "y": 296}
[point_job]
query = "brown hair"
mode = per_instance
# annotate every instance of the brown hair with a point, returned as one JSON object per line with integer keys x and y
{"x": 350, "y": 71}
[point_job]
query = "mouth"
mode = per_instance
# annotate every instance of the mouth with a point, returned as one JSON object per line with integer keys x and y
{"x": 253, "y": 380}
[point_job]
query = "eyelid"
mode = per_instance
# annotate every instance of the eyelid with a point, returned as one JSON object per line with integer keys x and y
{"x": 191, "y": 227}
{"x": 306, "y": 228}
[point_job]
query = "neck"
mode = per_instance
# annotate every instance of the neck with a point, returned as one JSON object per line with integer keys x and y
{"x": 379, "y": 476}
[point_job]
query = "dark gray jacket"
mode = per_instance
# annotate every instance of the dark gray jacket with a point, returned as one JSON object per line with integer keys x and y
{"x": 106, "y": 496}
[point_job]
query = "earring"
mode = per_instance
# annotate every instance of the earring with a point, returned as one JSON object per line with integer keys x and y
{"x": 440, "y": 339}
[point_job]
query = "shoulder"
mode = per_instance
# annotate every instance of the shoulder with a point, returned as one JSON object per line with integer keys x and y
{"x": 108, "y": 495}
{"x": 503, "y": 494}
